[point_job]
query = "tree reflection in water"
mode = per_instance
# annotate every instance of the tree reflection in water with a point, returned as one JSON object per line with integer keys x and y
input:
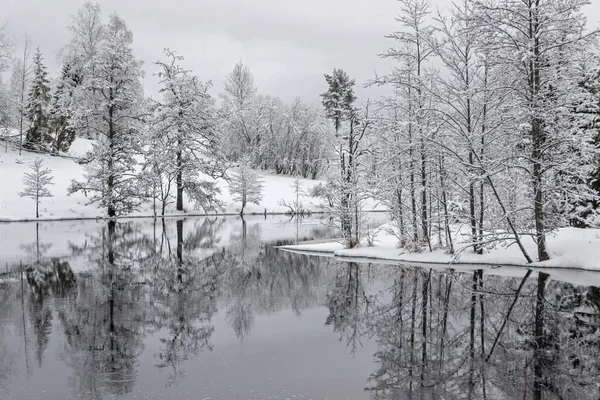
{"x": 183, "y": 298}
{"x": 437, "y": 334}
{"x": 434, "y": 334}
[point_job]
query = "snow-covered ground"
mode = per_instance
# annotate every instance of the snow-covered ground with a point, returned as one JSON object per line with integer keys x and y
{"x": 62, "y": 206}
{"x": 570, "y": 248}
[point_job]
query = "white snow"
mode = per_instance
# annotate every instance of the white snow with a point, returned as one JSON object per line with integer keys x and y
{"x": 570, "y": 248}
{"x": 62, "y": 206}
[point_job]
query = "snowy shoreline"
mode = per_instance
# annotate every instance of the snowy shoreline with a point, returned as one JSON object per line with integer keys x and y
{"x": 572, "y": 249}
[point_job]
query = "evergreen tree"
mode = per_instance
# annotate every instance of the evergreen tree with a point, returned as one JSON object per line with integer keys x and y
{"x": 37, "y": 105}
{"x": 339, "y": 97}
{"x": 62, "y": 103}
{"x": 338, "y": 102}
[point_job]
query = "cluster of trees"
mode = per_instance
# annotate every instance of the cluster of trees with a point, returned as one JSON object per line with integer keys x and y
{"x": 148, "y": 149}
{"x": 286, "y": 138}
{"x": 143, "y": 147}
{"x": 34, "y": 107}
{"x": 493, "y": 119}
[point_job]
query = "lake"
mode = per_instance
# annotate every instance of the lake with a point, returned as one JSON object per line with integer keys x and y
{"x": 209, "y": 308}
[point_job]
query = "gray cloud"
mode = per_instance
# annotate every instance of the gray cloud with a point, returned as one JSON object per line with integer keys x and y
{"x": 288, "y": 45}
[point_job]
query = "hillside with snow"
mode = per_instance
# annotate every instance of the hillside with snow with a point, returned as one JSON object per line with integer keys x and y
{"x": 75, "y": 206}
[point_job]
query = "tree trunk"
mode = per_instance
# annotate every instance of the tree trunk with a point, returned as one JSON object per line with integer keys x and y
{"x": 179, "y": 179}
{"x": 424, "y": 219}
{"x": 472, "y": 218}
{"x": 537, "y": 135}
{"x": 445, "y": 206}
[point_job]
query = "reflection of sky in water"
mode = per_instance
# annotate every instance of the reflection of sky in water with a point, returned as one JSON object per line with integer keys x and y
{"x": 219, "y": 313}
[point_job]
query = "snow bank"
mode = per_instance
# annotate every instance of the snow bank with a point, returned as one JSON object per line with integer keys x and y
{"x": 569, "y": 248}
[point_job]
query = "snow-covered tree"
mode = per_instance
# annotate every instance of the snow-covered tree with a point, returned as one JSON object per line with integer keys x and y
{"x": 6, "y": 47}
{"x": 239, "y": 112}
{"x": 585, "y": 109}
{"x": 537, "y": 42}
{"x": 339, "y": 98}
{"x": 110, "y": 167}
{"x": 36, "y": 183}
{"x": 185, "y": 120}
{"x": 6, "y": 106}
{"x": 245, "y": 184}
{"x": 338, "y": 102}
{"x": 158, "y": 171}
{"x": 19, "y": 84}
{"x": 62, "y": 107}
{"x": 412, "y": 127}
{"x": 349, "y": 185}
{"x": 82, "y": 54}
{"x": 6, "y": 114}
{"x": 37, "y": 108}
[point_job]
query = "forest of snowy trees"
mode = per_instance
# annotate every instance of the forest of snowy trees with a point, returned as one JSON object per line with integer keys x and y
{"x": 491, "y": 118}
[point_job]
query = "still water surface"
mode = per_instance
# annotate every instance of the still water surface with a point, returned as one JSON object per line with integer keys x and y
{"x": 207, "y": 308}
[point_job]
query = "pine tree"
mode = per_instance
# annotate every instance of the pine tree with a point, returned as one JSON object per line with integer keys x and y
{"x": 62, "y": 104}
{"x": 245, "y": 185}
{"x": 338, "y": 102}
{"x": 37, "y": 106}
{"x": 36, "y": 183}
{"x": 339, "y": 98}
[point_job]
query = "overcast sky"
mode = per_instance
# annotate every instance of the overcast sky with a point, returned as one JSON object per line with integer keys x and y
{"x": 288, "y": 44}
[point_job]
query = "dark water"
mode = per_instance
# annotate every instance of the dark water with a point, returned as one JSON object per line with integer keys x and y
{"x": 209, "y": 309}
